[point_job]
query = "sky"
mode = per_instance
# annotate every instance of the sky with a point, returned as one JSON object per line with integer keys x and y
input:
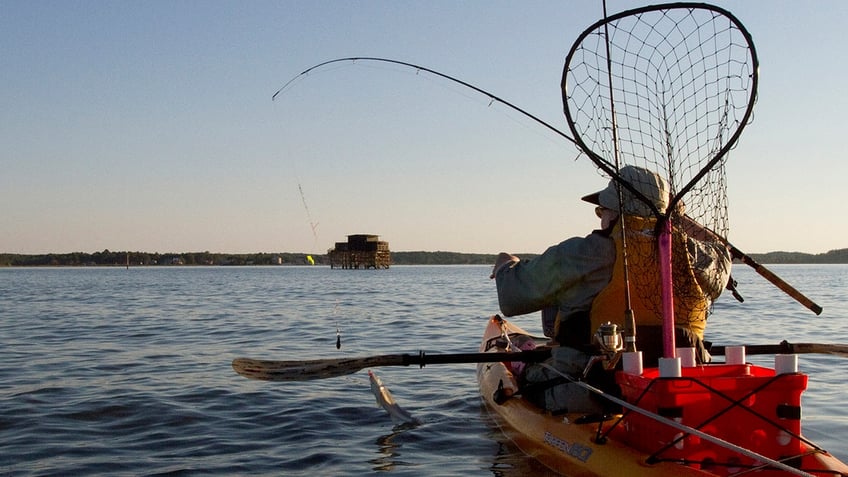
{"x": 149, "y": 126}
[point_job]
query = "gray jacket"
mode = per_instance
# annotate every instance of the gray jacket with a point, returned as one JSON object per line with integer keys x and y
{"x": 568, "y": 275}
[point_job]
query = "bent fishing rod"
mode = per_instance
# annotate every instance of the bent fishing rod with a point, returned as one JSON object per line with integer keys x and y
{"x": 492, "y": 97}
{"x": 598, "y": 161}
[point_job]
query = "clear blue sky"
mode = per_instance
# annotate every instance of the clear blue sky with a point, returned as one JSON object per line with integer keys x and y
{"x": 149, "y": 126}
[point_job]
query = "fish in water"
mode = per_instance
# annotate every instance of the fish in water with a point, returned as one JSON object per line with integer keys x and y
{"x": 387, "y": 401}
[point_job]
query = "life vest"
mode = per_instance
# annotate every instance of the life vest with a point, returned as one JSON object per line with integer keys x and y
{"x": 691, "y": 304}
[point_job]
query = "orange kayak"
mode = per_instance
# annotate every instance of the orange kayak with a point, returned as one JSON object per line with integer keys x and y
{"x": 753, "y": 414}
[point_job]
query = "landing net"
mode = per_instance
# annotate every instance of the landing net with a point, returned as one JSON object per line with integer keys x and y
{"x": 666, "y": 88}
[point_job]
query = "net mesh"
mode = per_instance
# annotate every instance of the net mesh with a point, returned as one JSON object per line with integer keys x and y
{"x": 668, "y": 89}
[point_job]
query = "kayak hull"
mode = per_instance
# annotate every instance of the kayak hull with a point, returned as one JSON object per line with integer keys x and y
{"x": 570, "y": 447}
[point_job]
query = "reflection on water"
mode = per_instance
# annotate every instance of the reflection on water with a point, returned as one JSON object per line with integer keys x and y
{"x": 389, "y": 450}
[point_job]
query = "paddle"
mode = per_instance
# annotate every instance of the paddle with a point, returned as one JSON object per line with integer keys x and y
{"x": 271, "y": 370}
{"x": 306, "y": 370}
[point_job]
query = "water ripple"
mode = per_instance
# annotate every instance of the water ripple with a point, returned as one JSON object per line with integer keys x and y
{"x": 127, "y": 372}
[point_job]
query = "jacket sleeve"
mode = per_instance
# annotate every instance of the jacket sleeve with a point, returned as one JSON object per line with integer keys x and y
{"x": 567, "y": 271}
{"x": 711, "y": 262}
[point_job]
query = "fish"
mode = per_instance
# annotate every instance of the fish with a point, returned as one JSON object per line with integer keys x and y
{"x": 385, "y": 399}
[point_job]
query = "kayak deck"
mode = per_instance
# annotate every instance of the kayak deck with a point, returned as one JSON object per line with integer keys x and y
{"x": 634, "y": 444}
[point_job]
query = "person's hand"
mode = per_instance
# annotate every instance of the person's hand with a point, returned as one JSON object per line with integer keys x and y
{"x": 502, "y": 260}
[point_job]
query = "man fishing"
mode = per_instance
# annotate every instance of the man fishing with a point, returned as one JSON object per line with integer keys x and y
{"x": 581, "y": 283}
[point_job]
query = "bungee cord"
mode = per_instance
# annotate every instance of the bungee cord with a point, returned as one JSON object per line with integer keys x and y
{"x": 679, "y": 426}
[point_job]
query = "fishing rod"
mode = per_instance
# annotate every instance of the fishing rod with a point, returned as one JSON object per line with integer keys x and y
{"x": 492, "y": 97}
{"x": 629, "y": 316}
{"x": 599, "y": 161}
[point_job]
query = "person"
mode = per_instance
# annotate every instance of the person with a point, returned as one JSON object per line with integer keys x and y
{"x": 578, "y": 284}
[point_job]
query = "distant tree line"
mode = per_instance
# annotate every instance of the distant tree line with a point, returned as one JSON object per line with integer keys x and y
{"x": 442, "y": 258}
{"x": 124, "y": 258}
{"x": 833, "y": 256}
{"x": 109, "y": 258}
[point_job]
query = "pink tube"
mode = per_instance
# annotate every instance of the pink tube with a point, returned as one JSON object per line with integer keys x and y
{"x": 667, "y": 290}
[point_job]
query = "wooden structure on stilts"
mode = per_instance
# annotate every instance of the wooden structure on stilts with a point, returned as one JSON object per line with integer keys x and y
{"x": 360, "y": 251}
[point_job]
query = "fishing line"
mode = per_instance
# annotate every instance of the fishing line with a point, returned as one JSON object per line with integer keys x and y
{"x": 338, "y": 330}
{"x": 312, "y": 224}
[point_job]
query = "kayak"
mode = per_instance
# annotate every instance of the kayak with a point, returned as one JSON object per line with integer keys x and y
{"x": 714, "y": 420}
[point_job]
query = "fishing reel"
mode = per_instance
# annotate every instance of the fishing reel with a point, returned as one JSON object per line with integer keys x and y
{"x": 608, "y": 338}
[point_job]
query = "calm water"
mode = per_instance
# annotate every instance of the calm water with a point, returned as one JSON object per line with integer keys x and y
{"x": 127, "y": 372}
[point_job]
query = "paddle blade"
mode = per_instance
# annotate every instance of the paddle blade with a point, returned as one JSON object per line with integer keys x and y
{"x": 821, "y": 348}
{"x": 307, "y": 370}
